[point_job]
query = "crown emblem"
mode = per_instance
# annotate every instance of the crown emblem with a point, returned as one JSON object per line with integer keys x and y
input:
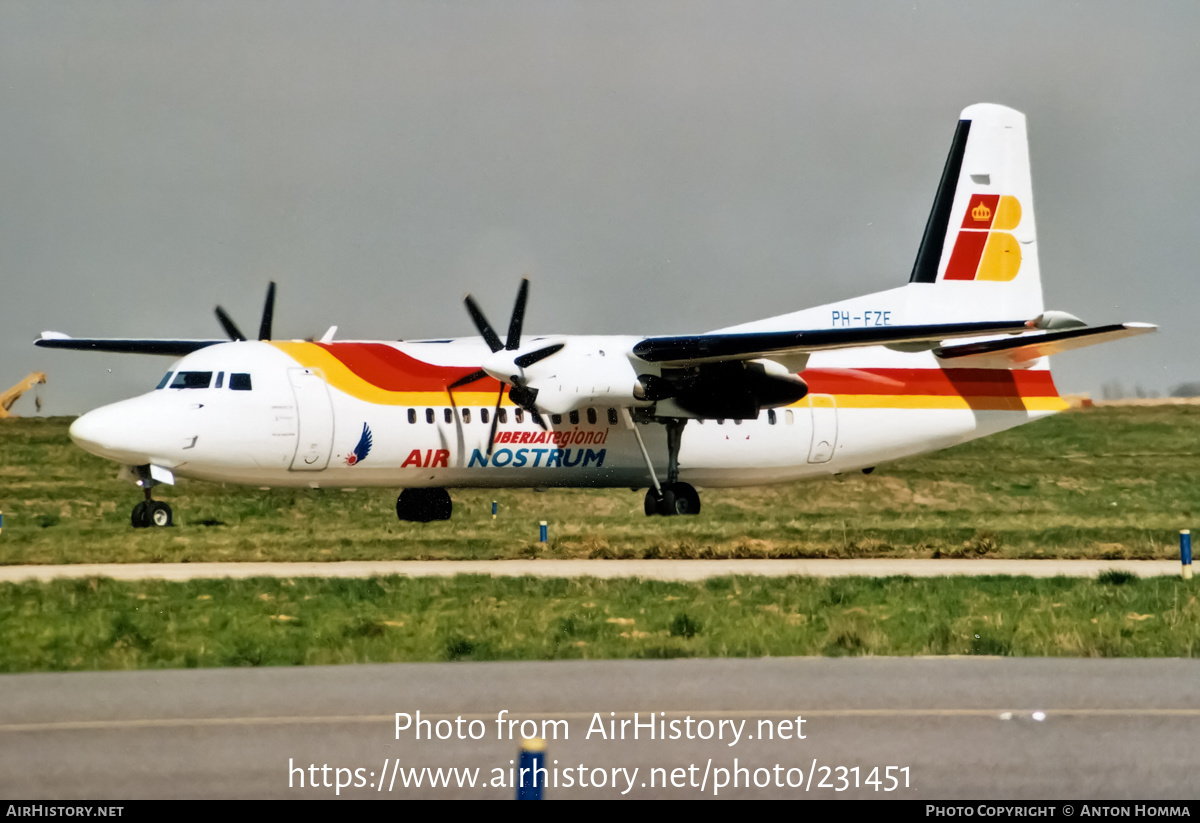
{"x": 981, "y": 212}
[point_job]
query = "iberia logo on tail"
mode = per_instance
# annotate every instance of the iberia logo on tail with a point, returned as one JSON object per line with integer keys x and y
{"x": 984, "y": 248}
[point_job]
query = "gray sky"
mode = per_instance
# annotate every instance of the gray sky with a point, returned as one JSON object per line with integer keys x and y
{"x": 653, "y": 167}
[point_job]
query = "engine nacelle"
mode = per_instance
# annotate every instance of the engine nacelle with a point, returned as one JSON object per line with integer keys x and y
{"x": 737, "y": 390}
{"x": 583, "y": 374}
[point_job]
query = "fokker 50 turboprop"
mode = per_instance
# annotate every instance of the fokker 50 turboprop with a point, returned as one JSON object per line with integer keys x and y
{"x": 959, "y": 352}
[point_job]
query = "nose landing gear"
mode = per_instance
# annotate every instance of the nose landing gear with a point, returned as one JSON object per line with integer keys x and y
{"x": 151, "y": 513}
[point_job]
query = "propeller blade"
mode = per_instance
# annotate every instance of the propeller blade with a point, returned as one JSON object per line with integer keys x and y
{"x": 495, "y": 420}
{"x": 469, "y": 378}
{"x": 527, "y": 360}
{"x": 481, "y": 323}
{"x": 518, "y": 317}
{"x": 230, "y": 327}
{"x": 264, "y": 329}
{"x": 537, "y": 418}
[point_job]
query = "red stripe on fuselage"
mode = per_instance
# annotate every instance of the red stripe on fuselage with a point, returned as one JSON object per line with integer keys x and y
{"x": 943, "y": 382}
{"x": 391, "y": 370}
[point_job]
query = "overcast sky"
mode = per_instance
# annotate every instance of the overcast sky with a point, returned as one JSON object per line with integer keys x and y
{"x": 653, "y": 167}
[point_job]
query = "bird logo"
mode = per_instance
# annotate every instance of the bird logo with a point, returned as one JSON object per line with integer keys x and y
{"x": 362, "y": 449}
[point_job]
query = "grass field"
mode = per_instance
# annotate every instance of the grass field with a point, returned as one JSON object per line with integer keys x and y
{"x": 103, "y": 624}
{"x": 1105, "y": 483}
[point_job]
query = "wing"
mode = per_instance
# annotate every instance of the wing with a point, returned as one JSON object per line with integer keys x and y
{"x": 175, "y": 348}
{"x": 712, "y": 348}
{"x": 1016, "y": 351}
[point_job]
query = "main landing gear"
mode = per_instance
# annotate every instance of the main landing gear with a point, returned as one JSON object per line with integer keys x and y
{"x": 150, "y": 513}
{"x": 423, "y": 505}
{"x": 673, "y": 497}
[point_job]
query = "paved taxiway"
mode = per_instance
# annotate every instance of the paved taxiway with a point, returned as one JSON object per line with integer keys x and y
{"x": 964, "y": 727}
{"x": 648, "y": 569}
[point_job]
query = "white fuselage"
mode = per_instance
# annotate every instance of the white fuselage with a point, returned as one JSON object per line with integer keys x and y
{"x": 303, "y": 420}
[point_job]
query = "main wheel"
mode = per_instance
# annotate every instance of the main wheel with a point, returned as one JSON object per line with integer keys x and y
{"x": 666, "y": 503}
{"x": 141, "y": 515}
{"x": 687, "y": 500}
{"x": 159, "y": 514}
{"x": 424, "y": 505}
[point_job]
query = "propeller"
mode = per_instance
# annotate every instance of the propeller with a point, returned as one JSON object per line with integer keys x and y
{"x": 264, "y": 328}
{"x": 508, "y": 370}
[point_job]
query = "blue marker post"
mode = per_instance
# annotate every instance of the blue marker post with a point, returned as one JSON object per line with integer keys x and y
{"x": 543, "y": 532}
{"x": 493, "y": 509}
{"x": 1185, "y": 552}
{"x": 531, "y": 773}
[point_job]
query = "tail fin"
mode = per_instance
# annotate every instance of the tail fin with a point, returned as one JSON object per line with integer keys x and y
{"x": 980, "y": 240}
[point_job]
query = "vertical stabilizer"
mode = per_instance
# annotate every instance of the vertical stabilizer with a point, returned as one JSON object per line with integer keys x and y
{"x": 980, "y": 243}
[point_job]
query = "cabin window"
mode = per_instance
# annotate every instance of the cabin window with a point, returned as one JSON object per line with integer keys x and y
{"x": 412, "y": 415}
{"x": 556, "y": 418}
{"x": 429, "y": 415}
{"x": 612, "y": 417}
{"x": 239, "y": 382}
{"x": 220, "y": 380}
{"x": 448, "y": 415}
{"x": 737, "y": 422}
{"x": 720, "y": 422}
{"x": 787, "y": 416}
{"x": 483, "y": 415}
{"x": 771, "y": 416}
{"x": 501, "y": 415}
{"x": 518, "y": 415}
{"x": 192, "y": 380}
{"x": 574, "y": 418}
{"x": 592, "y": 416}
{"x": 466, "y": 415}
{"x": 162, "y": 384}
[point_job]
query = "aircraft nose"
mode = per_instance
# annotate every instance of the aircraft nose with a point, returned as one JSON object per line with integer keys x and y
{"x": 121, "y": 432}
{"x": 97, "y": 431}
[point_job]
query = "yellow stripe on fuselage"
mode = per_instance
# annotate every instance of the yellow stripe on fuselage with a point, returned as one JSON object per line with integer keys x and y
{"x": 344, "y": 380}
{"x": 941, "y": 401}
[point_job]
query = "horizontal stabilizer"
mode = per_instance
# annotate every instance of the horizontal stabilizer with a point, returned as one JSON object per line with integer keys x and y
{"x": 711, "y": 348}
{"x": 1016, "y": 352}
{"x": 175, "y": 348}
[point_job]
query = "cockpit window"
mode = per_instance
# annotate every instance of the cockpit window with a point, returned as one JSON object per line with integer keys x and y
{"x": 192, "y": 380}
{"x": 162, "y": 384}
{"x": 239, "y": 382}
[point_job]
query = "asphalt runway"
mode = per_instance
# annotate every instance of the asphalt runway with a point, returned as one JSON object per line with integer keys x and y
{"x": 953, "y": 728}
{"x": 648, "y": 569}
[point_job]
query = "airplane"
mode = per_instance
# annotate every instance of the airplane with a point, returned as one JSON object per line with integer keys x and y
{"x": 960, "y": 351}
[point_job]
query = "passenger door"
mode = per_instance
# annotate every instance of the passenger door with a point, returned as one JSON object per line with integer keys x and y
{"x": 315, "y": 412}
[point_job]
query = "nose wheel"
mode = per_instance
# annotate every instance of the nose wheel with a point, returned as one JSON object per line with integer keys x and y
{"x": 151, "y": 514}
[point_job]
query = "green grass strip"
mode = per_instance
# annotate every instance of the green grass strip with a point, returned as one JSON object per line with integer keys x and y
{"x": 105, "y": 624}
